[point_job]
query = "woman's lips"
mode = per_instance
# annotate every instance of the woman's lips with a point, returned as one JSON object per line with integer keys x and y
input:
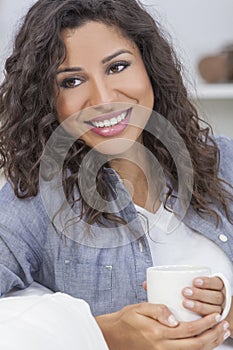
{"x": 111, "y": 124}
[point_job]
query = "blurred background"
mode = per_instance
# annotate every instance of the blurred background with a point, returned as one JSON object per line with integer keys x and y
{"x": 197, "y": 28}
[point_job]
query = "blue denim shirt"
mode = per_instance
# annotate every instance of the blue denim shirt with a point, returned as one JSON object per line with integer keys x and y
{"x": 108, "y": 277}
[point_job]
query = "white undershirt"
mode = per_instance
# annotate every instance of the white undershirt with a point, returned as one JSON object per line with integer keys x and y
{"x": 177, "y": 244}
{"x": 173, "y": 243}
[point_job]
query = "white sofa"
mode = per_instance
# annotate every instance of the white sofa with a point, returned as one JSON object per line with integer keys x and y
{"x": 36, "y": 319}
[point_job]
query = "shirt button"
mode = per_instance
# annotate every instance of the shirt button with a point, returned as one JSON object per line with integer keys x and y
{"x": 223, "y": 238}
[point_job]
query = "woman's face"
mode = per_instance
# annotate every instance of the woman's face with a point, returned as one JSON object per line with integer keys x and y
{"x": 105, "y": 95}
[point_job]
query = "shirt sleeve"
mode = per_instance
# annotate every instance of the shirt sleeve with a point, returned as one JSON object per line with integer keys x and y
{"x": 22, "y": 236}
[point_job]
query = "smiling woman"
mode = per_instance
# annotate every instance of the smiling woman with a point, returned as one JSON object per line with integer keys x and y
{"x": 103, "y": 73}
{"x": 102, "y": 148}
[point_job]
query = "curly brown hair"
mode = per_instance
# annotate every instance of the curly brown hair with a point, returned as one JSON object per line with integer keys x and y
{"x": 27, "y": 101}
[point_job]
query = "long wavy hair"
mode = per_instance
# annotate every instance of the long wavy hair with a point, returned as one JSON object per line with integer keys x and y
{"x": 28, "y": 115}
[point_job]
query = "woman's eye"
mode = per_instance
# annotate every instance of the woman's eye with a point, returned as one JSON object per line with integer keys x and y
{"x": 118, "y": 67}
{"x": 70, "y": 83}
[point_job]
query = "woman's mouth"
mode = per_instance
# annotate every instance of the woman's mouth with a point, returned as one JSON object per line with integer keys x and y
{"x": 110, "y": 125}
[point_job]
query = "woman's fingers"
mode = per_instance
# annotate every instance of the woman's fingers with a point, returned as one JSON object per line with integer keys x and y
{"x": 194, "y": 328}
{"x": 201, "y": 308}
{"x": 160, "y": 324}
{"x": 144, "y": 285}
{"x": 149, "y": 326}
{"x": 213, "y": 283}
{"x": 206, "y": 333}
{"x": 203, "y": 301}
{"x": 204, "y": 295}
{"x": 207, "y": 340}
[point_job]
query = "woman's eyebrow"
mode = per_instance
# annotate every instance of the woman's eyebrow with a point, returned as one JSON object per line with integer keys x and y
{"x": 69, "y": 69}
{"x": 117, "y": 53}
{"x": 105, "y": 60}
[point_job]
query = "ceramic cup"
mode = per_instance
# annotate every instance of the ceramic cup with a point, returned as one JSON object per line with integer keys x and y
{"x": 165, "y": 284}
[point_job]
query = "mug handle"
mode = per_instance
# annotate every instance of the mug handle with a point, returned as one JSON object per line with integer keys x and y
{"x": 228, "y": 294}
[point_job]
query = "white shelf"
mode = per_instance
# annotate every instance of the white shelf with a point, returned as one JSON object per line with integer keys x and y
{"x": 213, "y": 91}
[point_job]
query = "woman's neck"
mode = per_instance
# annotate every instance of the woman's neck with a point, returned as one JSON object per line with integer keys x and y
{"x": 135, "y": 172}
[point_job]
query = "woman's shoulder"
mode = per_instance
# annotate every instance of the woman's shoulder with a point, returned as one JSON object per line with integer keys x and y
{"x": 8, "y": 197}
{"x": 14, "y": 208}
{"x": 225, "y": 144}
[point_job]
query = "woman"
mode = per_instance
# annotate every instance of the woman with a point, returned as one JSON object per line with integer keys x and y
{"x": 98, "y": 70}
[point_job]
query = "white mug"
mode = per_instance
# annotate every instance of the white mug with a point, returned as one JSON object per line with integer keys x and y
{"x": 165, "y": 284}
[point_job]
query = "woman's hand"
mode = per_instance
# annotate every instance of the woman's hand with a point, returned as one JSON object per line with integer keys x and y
{"x": 153, "y": 327}
{"x": 206, "y": 296}
{"x": 229, "y": 318}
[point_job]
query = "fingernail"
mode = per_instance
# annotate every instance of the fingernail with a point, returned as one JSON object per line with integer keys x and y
{"x": 189, "y": 303}
{"x": 188, "y": 291}
{"x": 226, "y": 335}
{"x": 199, "y": 282}
{"x": 218, "y": 318}
{"x": 172, "y": 320}
{"x": 225, "y": 325}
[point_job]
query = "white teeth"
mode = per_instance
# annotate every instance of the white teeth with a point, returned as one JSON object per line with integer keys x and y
{"x": 107, "y": 123}
{"x": 110, "y": 122}
{"x": 113, "y": 121}
{"x": 119, "y": 119}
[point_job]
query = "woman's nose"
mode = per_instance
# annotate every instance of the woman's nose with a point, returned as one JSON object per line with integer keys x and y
{"x": 101, "y": 93}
